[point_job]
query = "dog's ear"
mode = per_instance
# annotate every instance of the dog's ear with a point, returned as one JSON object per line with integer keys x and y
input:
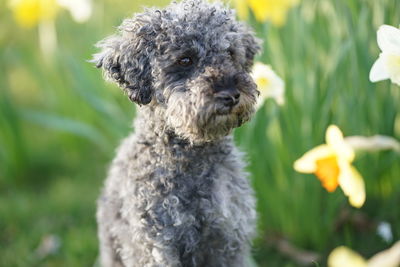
{"x": 252, "y": 46}
{"x": 125, "y": 58}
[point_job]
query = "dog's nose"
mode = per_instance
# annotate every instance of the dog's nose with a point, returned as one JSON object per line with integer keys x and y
{"x": 228, "y": 97}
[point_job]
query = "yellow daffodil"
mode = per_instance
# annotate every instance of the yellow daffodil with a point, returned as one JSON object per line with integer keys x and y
{"x": 271, "y": 10}
{"x": 242, "y": 9}
{"x": 387, "y": 66}
{"x": 345, "y": 257}
{"x": 331, "y": 163}
{"x": 268, "y": 83}
{"x": 29, "y": 13}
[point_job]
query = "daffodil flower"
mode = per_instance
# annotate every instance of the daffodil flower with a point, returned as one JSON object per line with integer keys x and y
{"x": 242, "y": 9}
{"x": 388, "y": 64}
{"x": 271, "y": 10}
{"x": 373, "y": 143}
{"x": 29, "y": 13}
{"x": 268, "y": 83}
{"x": 345, "y": 257}
{"x": 331, "y": 163}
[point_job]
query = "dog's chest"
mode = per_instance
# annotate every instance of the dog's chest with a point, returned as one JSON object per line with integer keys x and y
{"x": 224, "y": 213}
{"x": 204, "y": 193}
{"x": 200, "y": 201}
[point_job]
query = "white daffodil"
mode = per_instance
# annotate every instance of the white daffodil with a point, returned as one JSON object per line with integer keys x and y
{"x": 331, "y": 163}
{"x": 268, "y": 83}
{"x": 345, "y": 257}
{"x": 80, "y": 10}
{"x": 388, "y": 64}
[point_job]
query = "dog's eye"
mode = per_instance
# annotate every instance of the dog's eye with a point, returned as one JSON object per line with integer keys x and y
{"x": 185, "y": 61}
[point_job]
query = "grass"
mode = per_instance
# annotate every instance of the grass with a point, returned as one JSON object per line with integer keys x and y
{"x": 60, "y": 124}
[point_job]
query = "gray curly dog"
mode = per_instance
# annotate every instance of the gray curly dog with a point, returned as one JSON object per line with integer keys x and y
{"x": 177, "y": 193}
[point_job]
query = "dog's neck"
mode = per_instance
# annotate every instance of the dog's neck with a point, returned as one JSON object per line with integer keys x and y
{"x": 151, "y": 130}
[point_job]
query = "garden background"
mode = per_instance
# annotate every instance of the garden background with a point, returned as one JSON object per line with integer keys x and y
{"x": 60, "y": 123}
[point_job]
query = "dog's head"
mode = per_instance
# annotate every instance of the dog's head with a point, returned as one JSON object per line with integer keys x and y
{"x": 190, "y": 63}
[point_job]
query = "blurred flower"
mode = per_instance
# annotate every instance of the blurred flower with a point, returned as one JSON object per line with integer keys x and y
{"x": 388, "y": 64}
{"x": 384, "y": 230}
{"x": 271, "y": 10}
{"x": 29, "y": 13}
{"x": 373, "y": 143}
{"x": 242, "y": 9}
{"x": 268, "y": 83}
{"x": 80, "y": 10}
{"x": 331, "y": 163}
{"x": 345, "y": 257}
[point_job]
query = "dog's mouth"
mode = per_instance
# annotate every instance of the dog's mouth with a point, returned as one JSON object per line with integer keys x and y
{"x": 223, "y": 110}
{"x": 232, "y": 115}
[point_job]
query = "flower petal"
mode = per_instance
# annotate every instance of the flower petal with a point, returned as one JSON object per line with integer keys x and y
{"x": 80, "y": 10}
{"x": 373, "y": 143}
{"x": 345, "y": 257}
{"x": 334, "y": 139}
{"x": 392, "y": 64}
{"x": 389, "y": 39}
{"x": 352, "y": 184}
{"x": 379, "y": 71}
{"x": 387, "y": 258}
{"x": 268, "y": 83}
{"x": 307, "y": 163}
{"x": 328, "y": 172}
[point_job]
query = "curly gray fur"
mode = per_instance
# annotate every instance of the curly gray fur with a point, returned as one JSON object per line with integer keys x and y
{"x": 177, "y": 193}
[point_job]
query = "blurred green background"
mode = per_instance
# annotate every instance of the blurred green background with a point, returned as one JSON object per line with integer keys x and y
{"x": 60, "y": 123}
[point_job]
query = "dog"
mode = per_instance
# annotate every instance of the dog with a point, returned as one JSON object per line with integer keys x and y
{"x": 177, "y": 193}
